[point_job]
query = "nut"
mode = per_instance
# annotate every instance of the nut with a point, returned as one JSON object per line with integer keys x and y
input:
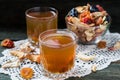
{"x": 94, "y": 67}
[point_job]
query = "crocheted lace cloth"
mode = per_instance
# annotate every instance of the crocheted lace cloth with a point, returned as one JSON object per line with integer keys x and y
{"x": 102, "y": 60}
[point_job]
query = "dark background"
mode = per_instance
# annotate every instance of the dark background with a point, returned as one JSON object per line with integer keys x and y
{"x": 12, "y": 12}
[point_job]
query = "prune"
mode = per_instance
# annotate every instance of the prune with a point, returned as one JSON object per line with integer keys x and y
{"x": 73, "y": 12}
{"x": 93, "y": 8}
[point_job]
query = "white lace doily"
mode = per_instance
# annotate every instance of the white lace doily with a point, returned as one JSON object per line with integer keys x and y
{"x": 81, "y": 68}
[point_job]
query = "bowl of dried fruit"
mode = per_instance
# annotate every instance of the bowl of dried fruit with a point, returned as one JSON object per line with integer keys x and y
{"x": 89, "y": 22}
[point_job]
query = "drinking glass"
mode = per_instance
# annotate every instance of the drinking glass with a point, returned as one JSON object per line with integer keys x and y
{"x": 39, "y": 19}
{"x": 57, "y": 50}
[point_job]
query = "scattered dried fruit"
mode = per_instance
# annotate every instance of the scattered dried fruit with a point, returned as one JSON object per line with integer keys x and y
{"x": 11, "y": 64}
{"x": 26, "y": 72}
{"x": 101, "y": 44}
{"x": 85, "y": 57}
{"x": 26, "y": 48}
{"x": 117, "y": 45}
{"x": 7, "y": 43}
{"x": 94, "y": 67}
{"x": 82, "y": 18}
{"x": 34, "y": 57}
{"x": 21, "y": 55}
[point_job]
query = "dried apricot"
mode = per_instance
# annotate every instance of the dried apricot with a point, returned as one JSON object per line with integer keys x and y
{"x": 26, "y": 72}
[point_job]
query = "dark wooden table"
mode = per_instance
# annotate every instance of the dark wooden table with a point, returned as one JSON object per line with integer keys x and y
{"x": 110, "y": 73}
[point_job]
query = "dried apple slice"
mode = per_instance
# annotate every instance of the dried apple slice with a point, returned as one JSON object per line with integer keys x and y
{"x": 19, "y": 54}
{"x": 117, "y": 45}
{"x": 33, "y": 57}
{"x": 85, "y": 57}
{"x": 11, "y": 64}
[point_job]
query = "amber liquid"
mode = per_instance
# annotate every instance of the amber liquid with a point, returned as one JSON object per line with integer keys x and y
{"x": 58, "y": 53}
{"x": 38, "y": 22}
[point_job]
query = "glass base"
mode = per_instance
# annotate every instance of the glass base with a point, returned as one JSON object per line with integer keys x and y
{"x": 55, "y": 76}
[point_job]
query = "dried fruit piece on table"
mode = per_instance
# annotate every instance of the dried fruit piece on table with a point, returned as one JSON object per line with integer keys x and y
{"x": 85, "y": 57}
{"x": 7, "y": 43}
{"x": 21, "y": 55}
{"x": 33, "y": 57}
{"x": 101, "y": 44}
{"x": 115, "y": 47}
{"x": 94, "y": 67}
{"x": 26, "y": 73}
{"x": 27, "y": 49}
{"x": 11, "y": 64}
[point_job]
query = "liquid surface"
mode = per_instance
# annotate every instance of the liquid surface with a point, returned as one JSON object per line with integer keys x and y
{"x": 58, "y": 40}
{"x": 47, "y": 14}
{"x": 57, "y": 57}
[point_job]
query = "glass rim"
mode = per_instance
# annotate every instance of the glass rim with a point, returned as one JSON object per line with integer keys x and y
{"x": 73, "y": 36}
{"x": 43, "y": 7}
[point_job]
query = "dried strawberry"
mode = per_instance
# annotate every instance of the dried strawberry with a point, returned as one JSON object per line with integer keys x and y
{"x": 87, "y": 20}
{"x": 7, "y": 43}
